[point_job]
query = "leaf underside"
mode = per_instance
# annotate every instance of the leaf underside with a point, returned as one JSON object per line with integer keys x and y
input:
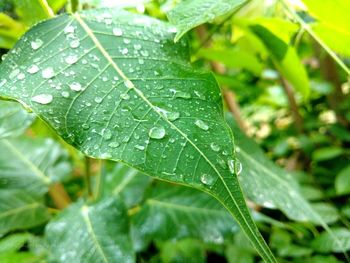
{"x": 115, "y": 86}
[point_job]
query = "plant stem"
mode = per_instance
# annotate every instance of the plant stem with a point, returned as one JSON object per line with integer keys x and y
{"x": 88, "y": 176}
{"x": 293, "y": 105}
{"x": 308, "y": 29}
{"x": 59, "y": 196}
{"x": 47, "y": 9}
{"x": 74, "y": 4}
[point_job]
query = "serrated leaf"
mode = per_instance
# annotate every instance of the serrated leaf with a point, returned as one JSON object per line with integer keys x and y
{"x": 19, "y": 210}
{"x": 91, "y": 233}
{"x": 32, "y": 164}
{"x": 114, "y": 85}
{"x": 189, "y": 14}
{"x": 14, "y": 120}
{"x": 174, "y": 213}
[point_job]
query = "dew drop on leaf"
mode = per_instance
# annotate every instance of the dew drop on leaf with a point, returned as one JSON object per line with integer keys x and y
{"x": 14, "y": 73}
{"x": 137, "y": 46}
{"x": 37, "y": 43}
{"x": 98, "y": 99}
{"x": 214, "y": 147}
{"x": 42, "y": 98}
{"x": 172, "y": 116}
{"x": 128, "y": 84}
{"x": 157, "y": 133}
{"x": 117, "y": 32}
{"x": 125, "y": 51}
{"x": 207, "y": 179}
{"x": 71, "y": 59}
{"x": 74, "y": 43}
{"x": 21, "y": 76}
{"x": 48, "y": 73}
{"x": 65, "y": 94}
{"x": 75, "y": 86}
{"x": 114, "y": 144}
{"x": 201, "y": 124}
{"x": 107, "y": 134}
{"x": 33, "y": 69}
{"x": 125, "y": 96}
{"x": 139, "y": 147}
{"x": 69, "y": 29}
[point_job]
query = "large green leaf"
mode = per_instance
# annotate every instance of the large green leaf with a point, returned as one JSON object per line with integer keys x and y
{"x": 14, "y": 120}
{"x": 18, "y": 210}
{"x": 91, "y": 233}
{"x": 189, "y": 14}
{"x": 174, "y": 212}
{"x": 114, "y": 85}
{"x": 267, "y": 184}
{"x": 32, "y": 164}
{"x": 325, "y": 242}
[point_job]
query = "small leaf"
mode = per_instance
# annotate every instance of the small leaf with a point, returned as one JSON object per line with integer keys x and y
{"x": 32, "y": 164}
{"x": 91, "y": 233}
{"x": 189, "y": 14}
{"x": 13, "y": 242}
{"x": 14, "y": 120}
{"x": 114, "y": 85}
{"x": 342, "y": 181}
{"x": 18, "y": 210}
{"x": 327, "y": 153}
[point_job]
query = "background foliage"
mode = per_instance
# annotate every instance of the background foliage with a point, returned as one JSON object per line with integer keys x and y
{"x": 282, "y": 69}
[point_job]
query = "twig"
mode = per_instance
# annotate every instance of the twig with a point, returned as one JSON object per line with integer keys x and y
{"x": 47, "y": 9}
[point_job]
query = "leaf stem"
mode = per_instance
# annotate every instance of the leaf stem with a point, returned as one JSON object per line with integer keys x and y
{"x": 46, "y": 7}
{"x": 59, "y": 196}
{"x": 88, "y": 176}
{"x": 74, "y": 5}
{"x": 308, "y": 29}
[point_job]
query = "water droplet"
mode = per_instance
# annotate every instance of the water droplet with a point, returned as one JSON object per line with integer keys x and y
{"x": 69, "y": 29}
{"x": 157, "y": 133}
{"x": 235, "y": 166}
{"x": 85, "y": 126}
{"x": 21, "y": 76}
{"x": 71, "y": 59}
{"x": 74, "y": 43}
{"x": 207, "y": 179}
{"x": 125, "y": 51}
{"x": 126, "y": 41}
{"x": 33, "y": 69}
{"x": 125, "y": 96}
{"x": 139, "y": 147}
{"x": 106, "y": 156}
{"x": 141, "y": 61}
{"x": 117, "y": 32}
{"x": 137, "y": 46}
{"x": 42, "y": 98}
{"x": 98, "y": 99}
{"x": 214, "y": 147}
{"x": 107, "y": 134}
{"x": 114, "y": 145}
{"x": 37, "y": 43}
{"x": 231, "y": 165}
{"x": 172, "y": 116}
{"x": 144, "y": 53}
{"x": 201, "y": 124}
{"x": 182, "y": 94}
{"x": 238, "y": 167}
{"x": 48, "y": 73}
{"x": 75, "y": 86}
{"x": 128, "y": 84}
{"x": 65, "y": 94}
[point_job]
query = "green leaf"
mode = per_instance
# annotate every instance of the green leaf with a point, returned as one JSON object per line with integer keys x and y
{"x": 126, "y": 182}
{"x": 286, "y": 59}
{"x": 342, "y": 181}
{"x": 325, "y": 242}
{"x": 327, "y": 153}
{"x": 36, "y": 14}
{"x": 189, "y": 14}
{"x": 131, "y": 96}
{"x": 233, "y": 58}
{"x": 19, "y": 257}
{"x": 267, "y": 184}
{"x": 13, "y": 242}
{"x": 189, "y": 251}
{"x": 174, "y": 212}
{"x": 14, "y": 120}
{"x": 32, "y": 164}
{"x": 18, "y": 210}
{"x": 91, "y": 233}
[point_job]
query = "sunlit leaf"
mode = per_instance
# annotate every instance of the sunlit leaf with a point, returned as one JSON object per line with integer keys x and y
{"x": 189, "y": 14}
{"x": 325, "y": 242}
{"x": 115, "y": 86}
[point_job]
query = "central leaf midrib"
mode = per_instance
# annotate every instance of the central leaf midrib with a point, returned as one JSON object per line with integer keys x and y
{"x": 141, "y": 95}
